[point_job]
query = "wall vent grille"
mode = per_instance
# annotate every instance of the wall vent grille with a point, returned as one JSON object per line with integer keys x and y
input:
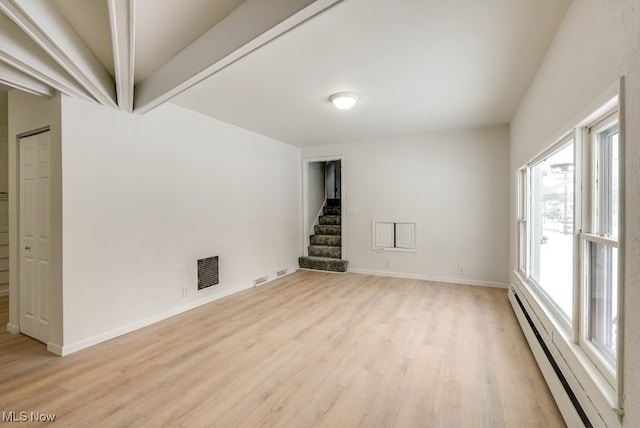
{"x": 208, "y": 274}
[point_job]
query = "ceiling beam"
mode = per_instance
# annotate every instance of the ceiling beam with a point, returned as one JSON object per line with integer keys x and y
{"x": 11, "y": 77}
{"x": 42, "y": 22}
{"x": 122, "y": 19}
{"x": 22, "y": 53}
{"x": 250, "y": 26}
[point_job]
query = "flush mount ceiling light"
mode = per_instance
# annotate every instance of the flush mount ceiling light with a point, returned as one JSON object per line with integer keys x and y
{"x": 344, "y": 100}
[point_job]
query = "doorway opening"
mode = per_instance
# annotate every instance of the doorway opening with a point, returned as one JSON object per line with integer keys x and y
{"x": 323, "y": 228}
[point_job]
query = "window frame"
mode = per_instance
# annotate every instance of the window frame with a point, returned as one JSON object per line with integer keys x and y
{"x": 591, "y": 233}
{"x": 584, "y": 232}
{"x": 522, "y": 228}
{"x": 567, "y": 324}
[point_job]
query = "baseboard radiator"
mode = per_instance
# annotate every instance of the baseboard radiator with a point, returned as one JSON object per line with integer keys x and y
{"x": 554, "y": 365}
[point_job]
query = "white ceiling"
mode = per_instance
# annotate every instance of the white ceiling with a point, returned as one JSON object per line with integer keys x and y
{"x": 162, "y": 29}
{"x": 270, "y": 65}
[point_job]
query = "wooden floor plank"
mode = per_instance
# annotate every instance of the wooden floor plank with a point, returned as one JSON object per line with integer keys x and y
{"x": 309, "y": 350}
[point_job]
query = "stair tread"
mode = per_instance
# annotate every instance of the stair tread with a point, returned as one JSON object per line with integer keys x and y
{"x": 323, "y": 259}
{"x": 334, "y": 252}
{"x": 323, "y": 263}
{"x": 331, "y": 211}
{"x": 332, "y": 237}
{"x": 330, "y": 220}
{"x": 326, "y": 229}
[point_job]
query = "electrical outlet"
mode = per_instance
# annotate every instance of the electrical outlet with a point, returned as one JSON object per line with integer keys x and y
{"x": 185, "y": 292}
{"x": 460, "y": 269}
{"x": 387, "y": 264}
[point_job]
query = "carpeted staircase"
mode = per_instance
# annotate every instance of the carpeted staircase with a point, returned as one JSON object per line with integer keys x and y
{"x": 325, "y": 251}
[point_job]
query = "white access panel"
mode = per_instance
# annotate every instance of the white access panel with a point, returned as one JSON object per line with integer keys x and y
{"x": 406, "y": 235}
{"x": 384, "y": 235}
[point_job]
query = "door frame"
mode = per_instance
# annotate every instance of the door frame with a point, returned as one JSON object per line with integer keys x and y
{"x": 305, "y": 201}
{"x": 19, "y": 243}
{"x": 55, "y": 339}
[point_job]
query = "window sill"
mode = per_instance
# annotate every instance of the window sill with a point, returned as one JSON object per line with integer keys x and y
{"x": 396, "y": 250}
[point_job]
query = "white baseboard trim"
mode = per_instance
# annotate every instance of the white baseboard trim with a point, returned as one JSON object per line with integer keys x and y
{"x": 432, "y": 278}
{"x": 13, "y": 329}
{"x": 54, "y": 348}
{"x": 103, "y": 337}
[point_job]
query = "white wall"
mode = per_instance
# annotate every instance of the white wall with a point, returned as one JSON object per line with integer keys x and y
{"x": 316, "y": 191}
{"x": 598, "y": 41}
{"x": 146, "y": 196}
{"x": 454, "y": 185}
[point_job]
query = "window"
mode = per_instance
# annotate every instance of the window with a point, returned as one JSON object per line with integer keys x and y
{"x": 600, "y": 241}
{"x": 522, "y": 220}
{"x": 602, "y": 300}
{"x": 551, "y": 226}
{"x": 568, "y": 232}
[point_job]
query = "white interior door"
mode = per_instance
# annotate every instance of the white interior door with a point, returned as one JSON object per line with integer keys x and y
{"x": 34, "y": 236}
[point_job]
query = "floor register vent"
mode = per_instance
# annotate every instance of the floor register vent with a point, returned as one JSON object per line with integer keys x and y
{"x": 208, "y": 272}
{"x": 552, "y": 361}
{"x": 260, "y": 281}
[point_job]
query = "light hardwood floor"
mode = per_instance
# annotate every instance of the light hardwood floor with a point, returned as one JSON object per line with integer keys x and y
{"x": 311, "y": 349}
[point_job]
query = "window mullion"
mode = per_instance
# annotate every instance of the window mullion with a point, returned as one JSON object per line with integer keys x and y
{"x": 579, "y": 200}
